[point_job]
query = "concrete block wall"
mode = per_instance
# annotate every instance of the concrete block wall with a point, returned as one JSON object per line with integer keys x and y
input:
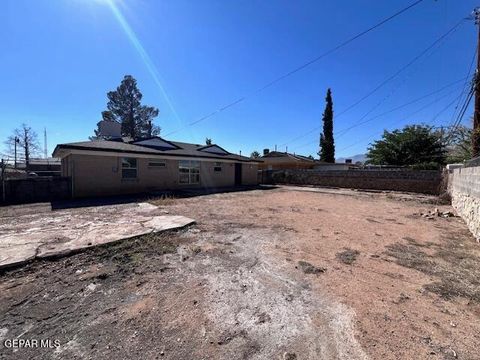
{"x": 20, "y": 191}
{"x": 464, "y": 187}
{"x": 421, "y": 181}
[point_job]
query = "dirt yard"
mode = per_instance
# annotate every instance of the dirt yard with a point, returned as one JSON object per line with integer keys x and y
{"x": 265, "y": 274}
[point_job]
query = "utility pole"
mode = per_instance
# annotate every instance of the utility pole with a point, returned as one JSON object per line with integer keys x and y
{"x": 16, "y": 141}
{"x": 3, "y": 164}
{"x": 45, "y": 150}
{"x": 476, "y": 114}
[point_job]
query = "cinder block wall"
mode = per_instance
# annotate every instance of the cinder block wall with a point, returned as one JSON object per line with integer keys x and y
{"x": 464, "y": 188}
{"x": 425, "y": 181}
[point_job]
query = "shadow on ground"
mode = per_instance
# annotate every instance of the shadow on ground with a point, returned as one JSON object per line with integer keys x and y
{"x": 126, "y": 199}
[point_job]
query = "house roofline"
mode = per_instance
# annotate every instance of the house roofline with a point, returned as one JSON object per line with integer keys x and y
{"x": 153, "y": 137}
{"x": 87, "y": 148}
{"x": 211, "y": 145}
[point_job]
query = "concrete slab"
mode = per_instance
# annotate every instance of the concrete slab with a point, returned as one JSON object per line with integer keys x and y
{"x": 58, "y": 233}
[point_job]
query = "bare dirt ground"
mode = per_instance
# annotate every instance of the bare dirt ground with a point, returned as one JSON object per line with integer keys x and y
{"x": 265, "y": 274}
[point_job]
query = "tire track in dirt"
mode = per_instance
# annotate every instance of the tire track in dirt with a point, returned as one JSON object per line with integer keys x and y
{"x": 263, "y": 307}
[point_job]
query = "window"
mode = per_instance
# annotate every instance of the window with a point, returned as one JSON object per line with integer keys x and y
{"x": 129, "y": 168}
{"x": 189, "y": 172}
{"x": 217, "y": 167}
{"x": 157, "y": 164}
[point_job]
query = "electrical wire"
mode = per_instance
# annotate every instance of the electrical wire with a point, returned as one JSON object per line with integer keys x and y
{"x": 466, "y": 82}
{"x": 414, "y": 113}
{"x": 409, "y": 115}
{"x": 398, "y": 107}
{"x": 386, "y": 81}
{"x": 305, "y": 65}
{"x": 344, "y": 131}
{"x": 461, "y": 114}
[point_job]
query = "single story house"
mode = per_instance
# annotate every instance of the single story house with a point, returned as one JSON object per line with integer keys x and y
{"x": 44, "y": 167}
{"x": 276, "y": 160}
{"x": 125, "y": 166}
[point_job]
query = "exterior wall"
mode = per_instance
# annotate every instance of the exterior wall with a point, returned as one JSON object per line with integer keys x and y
{"x": 464, "y": 186}
{"x": 65, "y": 166}
{"x": 213, "y": 179}
{"x": 337, "y": 166}
{"x": 102, "y": 175}
{"x": 279, "y": 163}
{"x": 250, "y": 174}
{"x": 400, "y": 180}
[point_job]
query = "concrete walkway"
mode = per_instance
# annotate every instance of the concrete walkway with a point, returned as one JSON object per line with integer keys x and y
{"x": 24, "y": 237}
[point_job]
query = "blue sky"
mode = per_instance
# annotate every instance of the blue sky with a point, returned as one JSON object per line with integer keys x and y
{"x": 59, "y": 58}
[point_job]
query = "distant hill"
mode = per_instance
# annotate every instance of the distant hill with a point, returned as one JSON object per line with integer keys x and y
{"x": 355, "y": 158}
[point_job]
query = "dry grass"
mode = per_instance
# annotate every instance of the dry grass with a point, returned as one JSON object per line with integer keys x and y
{"x": 308, "y": 268}
{"x": 455, "y": 262}
{"x": 348, "y": 256}
{"x": 141, "y": 253}
{"x": 162, "y": 200}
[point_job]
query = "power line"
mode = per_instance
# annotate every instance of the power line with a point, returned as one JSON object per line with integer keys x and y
{"x": 400, "y": 107}
{"x": 410, "y": 63}
{"x": 414, "y": 113}
{"x": 466, "y": 82}
{"x": 341, "y": 45}
{"x": 409, "y": 115}
{"x": 344, "y": 131}
{"x": 462, "y": 112}
{"x": 386, "y": 81}
{"x": 308, "y": 63}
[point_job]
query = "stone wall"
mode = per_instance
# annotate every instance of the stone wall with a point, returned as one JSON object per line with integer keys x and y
{"x": 420, "y": 181}
{"x": 464, "y": 187}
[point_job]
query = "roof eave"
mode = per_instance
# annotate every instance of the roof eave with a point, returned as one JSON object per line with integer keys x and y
{"x": 60, "y": 147}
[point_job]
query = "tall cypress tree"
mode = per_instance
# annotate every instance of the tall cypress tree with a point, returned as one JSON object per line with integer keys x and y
{"x": 327, "y": 146}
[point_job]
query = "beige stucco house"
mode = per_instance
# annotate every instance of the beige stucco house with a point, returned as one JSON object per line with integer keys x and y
{"x": 276, "y": 160}
{"x": 122, "y": 166}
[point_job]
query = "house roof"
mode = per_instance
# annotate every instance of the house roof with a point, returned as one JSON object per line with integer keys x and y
{"x": 48, "y": 161}
{"x": 295, "y": 157}
{"x": 174, "y": 148}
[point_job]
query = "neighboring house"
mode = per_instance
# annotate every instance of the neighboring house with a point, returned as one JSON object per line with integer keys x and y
{"x": 122, "y": 166}
{"x": 276, "y": 160}
{"x": 35, "y": 167}
{"x": 324, "y": 166}
{"x": 44, "y": 167}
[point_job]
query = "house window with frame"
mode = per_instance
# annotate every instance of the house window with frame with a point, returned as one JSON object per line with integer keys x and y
{"x": 217, "y": 167}
{"x": 129, "y": 168}
{"x": 189, "y": 172}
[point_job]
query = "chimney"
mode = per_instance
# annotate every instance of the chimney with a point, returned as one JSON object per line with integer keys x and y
{"x": 266, "y": 151}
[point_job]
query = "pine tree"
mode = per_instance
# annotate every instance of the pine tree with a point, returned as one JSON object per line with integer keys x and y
{"x": 255, "y": 154}
{"x": 327, "y": 146}
{"x": 124, "y": 106}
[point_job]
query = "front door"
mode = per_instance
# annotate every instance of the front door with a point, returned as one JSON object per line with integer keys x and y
{"x": 238, "y": 174}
